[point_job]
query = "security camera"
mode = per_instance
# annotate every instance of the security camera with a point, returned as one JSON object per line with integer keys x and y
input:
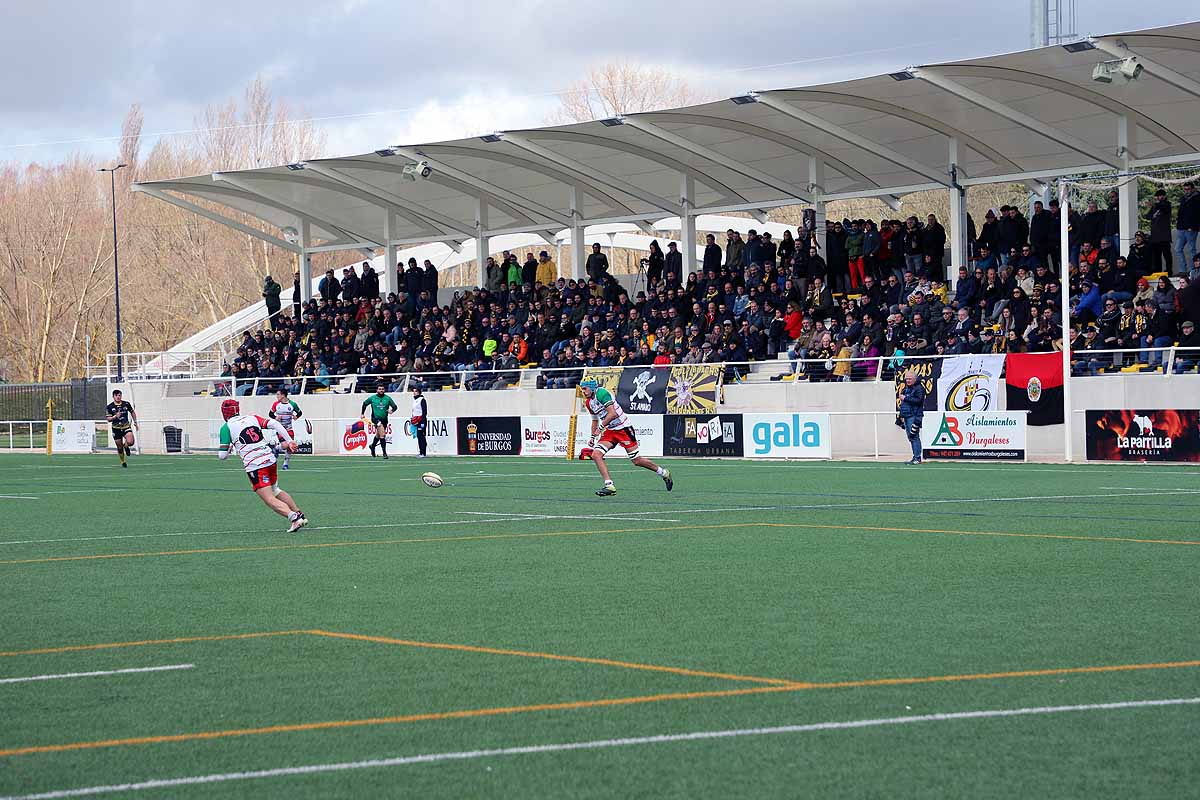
{"x": 1102, "y": 73}
{"x": 1131, "y": 69}
{"x": 421, "y": 169}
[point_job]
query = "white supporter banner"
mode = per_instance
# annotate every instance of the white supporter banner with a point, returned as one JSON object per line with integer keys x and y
{"x": 787, "y": 435}
{"x": 970, "y": 383}
{"x": 355, "y": 436}
{"x": 994, "y": 435}
{"x": 647, "y": 427}
{"x": 441, "y": 438}
{"x": 73, "y": 436}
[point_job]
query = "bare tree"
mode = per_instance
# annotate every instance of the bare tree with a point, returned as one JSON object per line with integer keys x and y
{"x": 622, "y": 87}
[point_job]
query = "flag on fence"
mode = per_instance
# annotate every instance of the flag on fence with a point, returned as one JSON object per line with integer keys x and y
{"x": 1035, "y": 384}
{"x": 970, "y": 383}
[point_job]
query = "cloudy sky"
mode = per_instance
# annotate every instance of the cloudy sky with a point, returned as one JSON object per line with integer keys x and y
{"x": 378, "y": 72}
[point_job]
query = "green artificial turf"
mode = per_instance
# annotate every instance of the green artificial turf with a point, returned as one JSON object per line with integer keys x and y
{"x": 812, "y": 573}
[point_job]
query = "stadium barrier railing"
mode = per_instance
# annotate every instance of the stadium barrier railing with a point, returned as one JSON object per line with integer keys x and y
{"x": 1085, "y": 363}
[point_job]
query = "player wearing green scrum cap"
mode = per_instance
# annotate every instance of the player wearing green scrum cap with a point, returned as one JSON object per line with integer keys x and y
{"x": 613, "y": 427}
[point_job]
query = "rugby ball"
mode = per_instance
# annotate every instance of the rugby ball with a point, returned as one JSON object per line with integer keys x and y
{"x": 432, "y": 480}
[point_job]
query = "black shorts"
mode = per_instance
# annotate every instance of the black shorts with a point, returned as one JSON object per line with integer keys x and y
{"x": 377, "y": 421}
{"x": 119, "y": 434}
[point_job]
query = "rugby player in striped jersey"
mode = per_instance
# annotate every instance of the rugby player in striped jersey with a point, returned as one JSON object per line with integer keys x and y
{"x": 611, "y": 426}
{"x": 243, "y": 434}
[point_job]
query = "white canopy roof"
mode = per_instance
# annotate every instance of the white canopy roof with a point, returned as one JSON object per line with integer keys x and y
{"x": 1020, "y": 116}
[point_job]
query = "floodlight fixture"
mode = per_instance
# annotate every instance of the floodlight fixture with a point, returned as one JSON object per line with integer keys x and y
{"x": 1083, "y": 45}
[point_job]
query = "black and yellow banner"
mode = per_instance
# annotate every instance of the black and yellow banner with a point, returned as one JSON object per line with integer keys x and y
{"x": 674, "y": 389}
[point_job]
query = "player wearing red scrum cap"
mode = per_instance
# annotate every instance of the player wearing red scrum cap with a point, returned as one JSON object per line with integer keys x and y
{"x": 243, "y": 434}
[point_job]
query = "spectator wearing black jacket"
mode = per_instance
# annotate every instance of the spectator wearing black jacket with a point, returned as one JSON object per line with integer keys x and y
{"x": 1091, "y": 226}
{"x": 712, "y": 254}
{"x": 1042, "y": 234}
{"x": 1159, "y": 216}
{"x": 673, "y": 264}
{"x": 933, "y": 248}
{"x": 1187, "y": 225}
{"x": 329, "y": 288}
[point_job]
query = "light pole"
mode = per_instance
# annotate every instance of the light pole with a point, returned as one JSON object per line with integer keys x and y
{"x": 112, "y": 180}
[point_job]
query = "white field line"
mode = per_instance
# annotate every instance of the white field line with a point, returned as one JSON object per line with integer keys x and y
{"x": 595, "y": 744}
{"x": 255, "y": 530}
{"x": 16, "y": 497}
{"x": 96, "y": 674}
{"x": 626, "y": 516}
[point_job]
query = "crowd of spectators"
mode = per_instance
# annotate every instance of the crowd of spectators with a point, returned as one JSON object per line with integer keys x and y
{"x": 877, "y": 290}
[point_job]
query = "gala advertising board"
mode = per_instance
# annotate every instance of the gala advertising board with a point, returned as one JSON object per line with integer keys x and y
{"x": 786, "y": 436}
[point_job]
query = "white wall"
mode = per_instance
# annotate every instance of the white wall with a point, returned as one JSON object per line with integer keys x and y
{"x": 854, "y": 435}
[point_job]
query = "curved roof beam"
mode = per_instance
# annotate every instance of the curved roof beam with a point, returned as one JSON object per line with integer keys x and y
{"x": 351, "y": 191}
{"x": 416, "y": 213}
{"x": 1147, "y": 124}
{"x": 652, "y": 156}
{"x": 764, "y": 133}
{"x": 538, "y": 167}
{"x": 202, "y": 189}
{"x": 891, "y": 109}
{"x": 586, "y": 174}
{"x": 758, "y": 176}
{"x": 299, "y": 212}
{"x": 936, "y": 77}
{"x": 850, "y": 137}
{"x": 187, "y": 205}
{"x": 450, "y": 183}
{"x": 1157, "y": 40}
{"x": 531, "y": 208}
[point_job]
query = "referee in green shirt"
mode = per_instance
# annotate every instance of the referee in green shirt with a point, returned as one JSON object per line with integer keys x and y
{"x": 380, "y": 405}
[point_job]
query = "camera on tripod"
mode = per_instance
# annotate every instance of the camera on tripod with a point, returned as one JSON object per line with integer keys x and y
{"x": 643, "y": 263}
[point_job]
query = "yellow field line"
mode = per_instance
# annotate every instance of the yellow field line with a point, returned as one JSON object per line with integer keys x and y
{"x": 408, "y": 718}
{"x": 467, "y": 648}
{"x": 145, "y": 642}
{"x": 570, "y": 705}
{"x": 366, "y": 542}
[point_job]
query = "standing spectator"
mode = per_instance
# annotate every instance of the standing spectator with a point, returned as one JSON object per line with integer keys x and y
{"x": 419, "y": 418}
{"x": 733, "y": 248}
{"x": 597, "y": 264}
{"x": 911, "y": 246}
{"x": 655, "y": 263}
{"x": 786, "y": 250}
{"x": 1091, "y": 227}
{"x": 933, "y": 244}
{"x": 329, "y": 288}
{"x": 838, "y": 265}
{"x": 350, "y": 285}
{"x": 368, "y": 284}
{"x": 429, "y": 281}
{"x": 1187, "y": 225}
{"x": 912, "y": 413}
{"x": 1042, "y": 233}
{"x": 1112, "y": 220}
{"x": 296, "y": 296}
{"x": 712, "y": 254}
{"x": 529, "y": 270}
{"x": 854, "y": 254}
{"x": 547, "y": 270}
{"x": 872, "y": 243}
{"x": 513, "y": 271}
{"x": 271, "y": 291}
{"x": 413, "y": 279}
{"x": 1159, "y": 215}
{"x": 674, "y": 264}
{"x": 493, "y": 276}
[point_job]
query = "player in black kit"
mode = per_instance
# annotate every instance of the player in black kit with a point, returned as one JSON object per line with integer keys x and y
{"x": 122, "y": 419}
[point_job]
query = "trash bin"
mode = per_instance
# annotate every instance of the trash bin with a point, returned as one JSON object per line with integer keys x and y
{"x": 173, "y": 439}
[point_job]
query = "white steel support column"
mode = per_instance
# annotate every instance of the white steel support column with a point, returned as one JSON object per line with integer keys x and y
{"x": 306, "y": 291}
{"x": 687, "y": 225}
{"x": 816, "y": 183}
{"x": 1064, "y": 200}
{"x": 578, "y": 246}
{"x": 1127, "y": 192}
{"x": 391, "y": 281}
{"x": 958, "y": 216}
{"x": 481, "y": 242}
